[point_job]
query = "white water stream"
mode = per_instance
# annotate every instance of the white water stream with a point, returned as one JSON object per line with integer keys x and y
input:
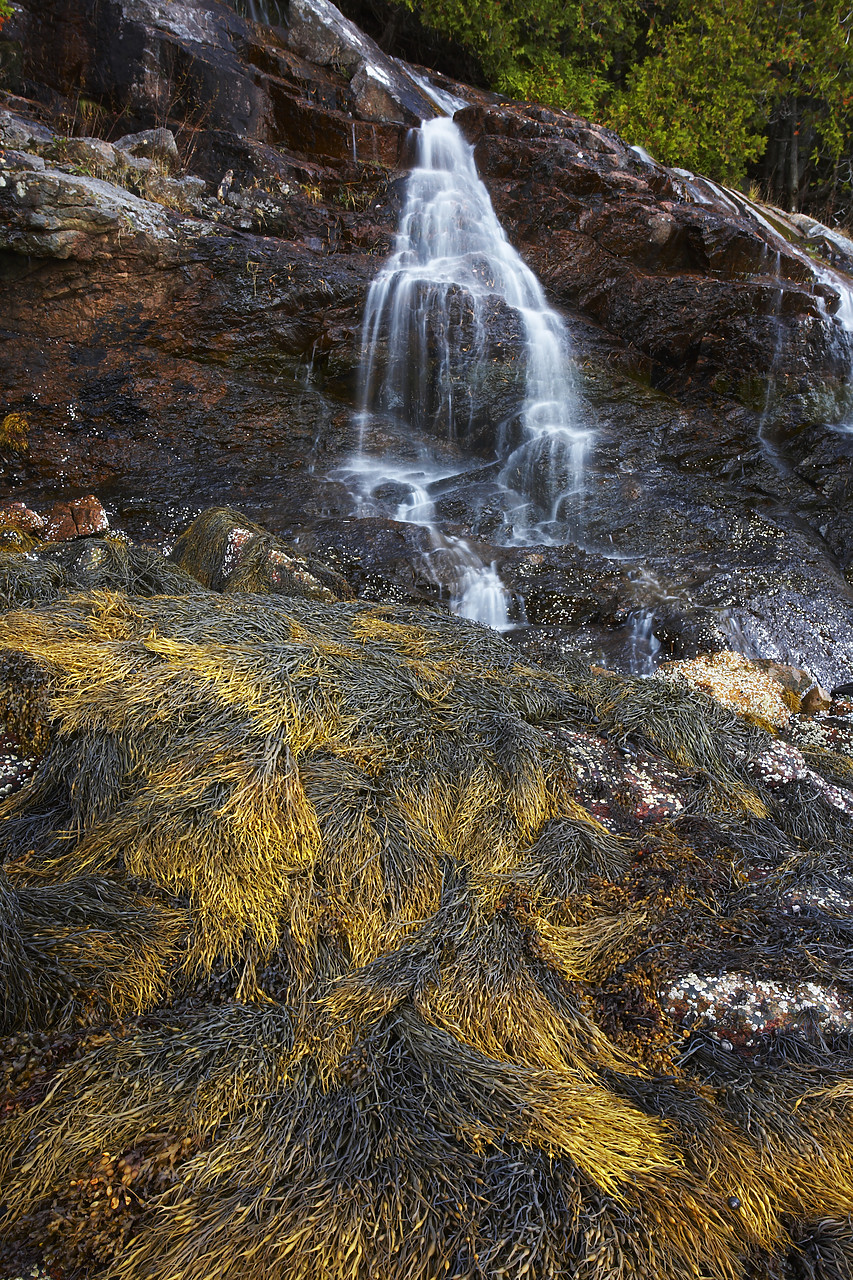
{"x": 425, "y": 362}
{"x": 844, "y": 320}
{"x": 452, "y": 289}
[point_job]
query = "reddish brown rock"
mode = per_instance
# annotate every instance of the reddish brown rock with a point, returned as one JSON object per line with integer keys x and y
{"x": 696, "y": 285}
{"x": 794, "y": 679}
{"x": 19, "y": 516}
{"x": 77, "y": 519}
{"x": 817, "y": 699}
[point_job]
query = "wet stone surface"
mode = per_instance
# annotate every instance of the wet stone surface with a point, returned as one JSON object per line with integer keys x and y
{"x": 738, "y": 1008}
{"x": 16, "y": 767}
{"x": 831, "y": 732}
{"x": 781, "y": 763}
{"x": 616, "y": 781}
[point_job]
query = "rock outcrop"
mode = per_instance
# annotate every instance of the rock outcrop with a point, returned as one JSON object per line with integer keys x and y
{"x": 174, "y": 349}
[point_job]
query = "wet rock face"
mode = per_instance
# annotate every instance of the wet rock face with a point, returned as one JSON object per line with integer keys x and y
{"x": 175, "y": 341}
{"x": 694, "y": 287}
{"x": 381, "y": 88}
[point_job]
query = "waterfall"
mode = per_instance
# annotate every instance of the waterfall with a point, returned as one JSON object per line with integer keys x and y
{"x": 425, "y": 362}
{"x": 428, "y": 312}
{"x": 473, "y": 590}
{"x": 844, "y": 322}
{"x": 267, "y": 13}
{"x": 443, "y": 99}
{"x": 643, "y": 644}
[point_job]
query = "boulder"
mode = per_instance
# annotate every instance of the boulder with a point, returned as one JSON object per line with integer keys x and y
{"x": 52, "y": 214}
{"x": 152, "y": 144}
{"x": 817, "y": 699}
{"x": 18, "y": 515}
{"x": 178, "y": 192}
{"x": 381, "y": 87}
{"x": 88, "y": 152}
{"x": 227, "y": 552}
{"x": 795, "y": 679}
{"x": 22, "y": 133}
{"x": 19, "y": 160}
{"x": 78, "y": 518}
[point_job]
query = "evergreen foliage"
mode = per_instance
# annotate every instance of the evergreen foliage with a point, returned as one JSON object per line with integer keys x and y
{"x": 731, "y": 88}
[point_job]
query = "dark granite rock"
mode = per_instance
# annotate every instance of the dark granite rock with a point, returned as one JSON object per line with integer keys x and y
{"x": 151, "y": 144}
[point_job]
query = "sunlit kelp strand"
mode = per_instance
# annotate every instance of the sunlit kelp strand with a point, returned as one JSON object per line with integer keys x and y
{"x": 86, "y": 947}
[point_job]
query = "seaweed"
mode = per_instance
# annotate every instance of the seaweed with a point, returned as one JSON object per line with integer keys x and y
{"x": 86, "y": 949}
{"x": 35, "y": 575}
{"x": 226, "y": 551}
{"x": 364, "y": 987}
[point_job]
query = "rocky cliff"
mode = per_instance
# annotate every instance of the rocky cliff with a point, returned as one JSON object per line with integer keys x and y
{"x": 181, "y": 318}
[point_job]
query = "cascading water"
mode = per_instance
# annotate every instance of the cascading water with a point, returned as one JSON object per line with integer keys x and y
{"x": 443, "y": 99}
{"x": 267, "y": 13}
{"x": 429, "y": 309}
{"x": 844, "y": 321}
{"x": 769, "y": 448}
{"x": 425, "y": 360}
{"x": 474, "y": 589}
